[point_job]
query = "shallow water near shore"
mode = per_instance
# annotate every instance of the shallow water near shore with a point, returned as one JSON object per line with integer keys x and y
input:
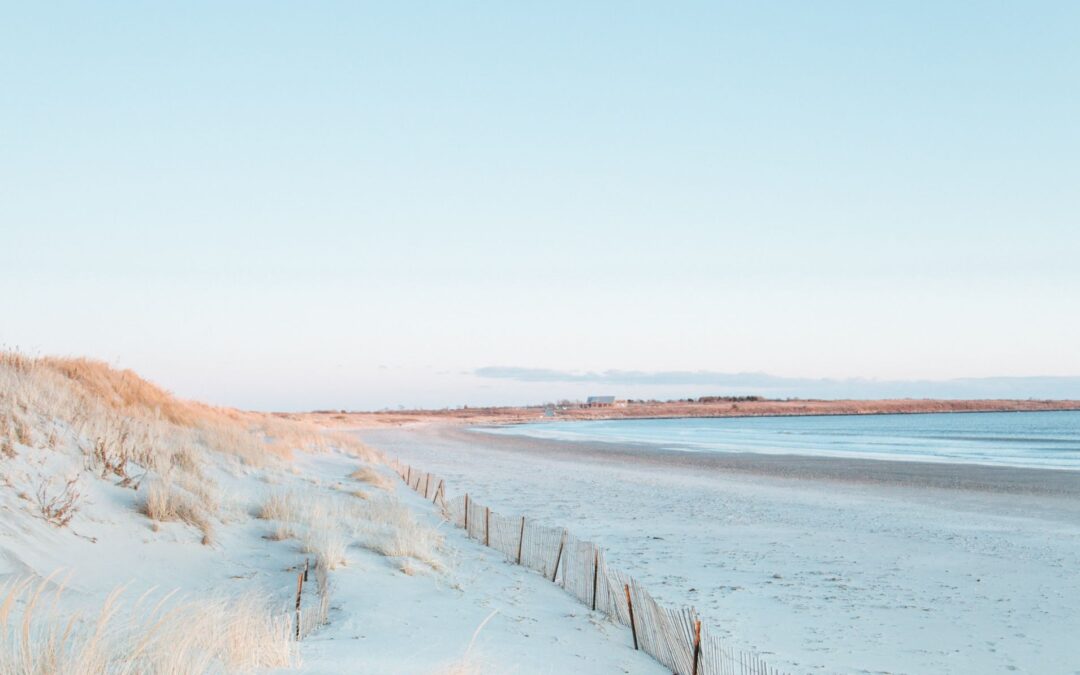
{"x": 1018, "y": 439}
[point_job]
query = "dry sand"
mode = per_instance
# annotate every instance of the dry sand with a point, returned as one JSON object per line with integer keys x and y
{"x": 822, "y": 564}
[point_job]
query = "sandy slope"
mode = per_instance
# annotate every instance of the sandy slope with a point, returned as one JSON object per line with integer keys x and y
{"x": 387, "y": 622}
{"x": 828, "y": 573}
{"x": 381, "y": 620}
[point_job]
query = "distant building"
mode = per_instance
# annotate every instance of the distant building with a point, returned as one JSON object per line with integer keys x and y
{"x": 600, "y": 402}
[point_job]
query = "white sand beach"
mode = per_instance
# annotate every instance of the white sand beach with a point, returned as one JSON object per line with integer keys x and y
{"x": 821, "y": 565}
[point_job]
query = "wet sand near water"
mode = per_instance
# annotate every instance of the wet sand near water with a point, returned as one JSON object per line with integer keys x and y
{"x": 855, "y": 469}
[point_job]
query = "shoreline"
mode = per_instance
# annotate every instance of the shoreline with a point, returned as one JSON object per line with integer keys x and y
{"x": 875, "y": 413}
{"x": 858, "y": 470}
{"x": 499, "y": 416}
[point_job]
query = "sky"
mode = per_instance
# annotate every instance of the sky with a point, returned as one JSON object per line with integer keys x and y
{"x": 352, "y": 205}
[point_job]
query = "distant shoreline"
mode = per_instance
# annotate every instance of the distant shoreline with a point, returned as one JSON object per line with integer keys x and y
{"x": 499, "y": 416}
{"x": 774, "y": 415}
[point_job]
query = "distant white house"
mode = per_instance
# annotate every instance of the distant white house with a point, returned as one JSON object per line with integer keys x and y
{"x": 600, "y": 402}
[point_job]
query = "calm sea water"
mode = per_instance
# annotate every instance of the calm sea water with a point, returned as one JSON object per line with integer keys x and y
{"x": 1026, "y": 439}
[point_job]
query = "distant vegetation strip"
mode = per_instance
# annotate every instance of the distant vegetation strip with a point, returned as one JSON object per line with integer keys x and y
{"x": 708, "y": 406}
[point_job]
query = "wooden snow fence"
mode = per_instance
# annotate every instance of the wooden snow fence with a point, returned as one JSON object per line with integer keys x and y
{"x": 676, "y": 638}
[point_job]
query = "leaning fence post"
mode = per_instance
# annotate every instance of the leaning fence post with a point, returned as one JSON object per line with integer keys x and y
{"x": 487, "y": 526}
{"x": 521, "y": 539}
{"x": 437, "y": 491}
{"x": 427, "y": 484}
{"x": 630, "y": 607}
{"x": 408, "y": 475}
{"x": 299, "y": 592}
{"x": 562, "y": 542}
{"x": 697, "y": 645}
{"x": 595, "y": 574}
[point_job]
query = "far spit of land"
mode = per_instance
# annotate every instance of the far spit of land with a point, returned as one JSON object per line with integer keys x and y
{"x": 671, "y": 409}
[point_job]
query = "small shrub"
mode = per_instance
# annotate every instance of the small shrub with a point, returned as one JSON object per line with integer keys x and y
{"x": 58, "y": 508}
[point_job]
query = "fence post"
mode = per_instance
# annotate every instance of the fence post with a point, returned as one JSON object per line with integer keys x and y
{"x": 437, "y": 491}
{"x": 697, "y": 645}
{"x": 408, "y": 475}
{"x": 307, "y": 564}
{"x": 562, "y": 542}
{"x": 630, "y": 606}
{"x": 466, "y": 514}
{"x": 521, "y": 539}
{"x": 299, "y": 592}
{"x": 595, "y": 574}
{"x": 487, "y": 526}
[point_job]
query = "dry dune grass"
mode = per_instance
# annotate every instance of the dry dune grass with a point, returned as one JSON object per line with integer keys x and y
{"x": 371, "y": 476}
{"x": 282, "y": 505}
{"x": 121, "y": 419}
{"x": 280, "y": 532}
{"x": 350, "y": 444}
{"x": 327, "y": 523}
{"x": 411, "y": 539}
{"x": 165, "y": 502}
{"x": 164, "y": 637}
{"x": 137, "y": 435}
{"x": 320, "y": 522}
{"x": 128, "y": 428}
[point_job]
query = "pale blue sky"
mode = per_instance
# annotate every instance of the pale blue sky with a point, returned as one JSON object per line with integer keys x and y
{"x": 298, "y": 205}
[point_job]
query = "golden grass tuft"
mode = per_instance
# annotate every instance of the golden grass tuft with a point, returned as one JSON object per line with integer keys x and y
{"x": 371, "y": 476}
{"x": 391, "y": 529}
{"x": 280, "y": 532}
{"x": 329, "y": 546}
{"x": 281, "y": 505}
{"x": 165, "y": 503}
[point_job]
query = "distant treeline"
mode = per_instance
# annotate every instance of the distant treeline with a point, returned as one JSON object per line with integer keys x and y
{"x": 701, "y": 399}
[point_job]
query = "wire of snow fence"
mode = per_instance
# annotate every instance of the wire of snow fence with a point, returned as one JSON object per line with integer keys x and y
{"x": 676, "y": 638}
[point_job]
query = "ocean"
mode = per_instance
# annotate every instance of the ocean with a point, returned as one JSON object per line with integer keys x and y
{"x": 1048, "y": 440}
